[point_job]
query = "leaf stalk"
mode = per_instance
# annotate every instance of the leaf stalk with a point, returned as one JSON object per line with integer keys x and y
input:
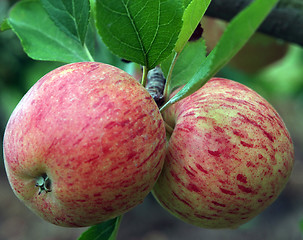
{"x": 90, "y": 57}
{"x": 169, "y": 76}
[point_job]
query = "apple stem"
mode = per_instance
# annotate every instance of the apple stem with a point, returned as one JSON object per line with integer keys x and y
{"x": 144, "y": 76}
{"x": 44, "y": 183}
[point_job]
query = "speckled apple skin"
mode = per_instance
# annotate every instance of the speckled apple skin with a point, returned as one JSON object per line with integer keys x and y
{"x": 97, "y": 134}
{"x": 229, "y": 156}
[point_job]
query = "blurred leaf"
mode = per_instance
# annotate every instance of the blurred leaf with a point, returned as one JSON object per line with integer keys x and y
{"x": 71, "y": 16}
{"x": 240, "y": 29}
{"x": 9, "y": 98}
{"x": 41, "y": 38}
{"x": 188, "y": 63}
{"x": 192, "y": 16}
{"x": 4, "y": 25}
{"x": 141, "y": 31}
{"x": 35, "y": 71}
{"x": 104, "y": 231}
{"x": 284, "y": 77}
{"x": 301, "y": 225}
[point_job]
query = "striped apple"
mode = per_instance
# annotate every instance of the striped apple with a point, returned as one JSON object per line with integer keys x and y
{"x": 229, "y": 156}
{"x": 84, "y": 145}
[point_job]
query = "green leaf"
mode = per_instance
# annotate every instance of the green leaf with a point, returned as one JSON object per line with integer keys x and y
{"x": 186, "y": 3}
{"x": 4, "y": 25}
{"x": 301, "y": 226}
{"x": 41, "y": 38}
{"x": 240, "y": 29}
{"x": 192, "y": 16}
{"x": 3, "y": 12}
{"x": 71, "y": 16}
{"x": 104, "y": 231}
{"x": 189, "y": 61}
{"x": 141, "y": 31}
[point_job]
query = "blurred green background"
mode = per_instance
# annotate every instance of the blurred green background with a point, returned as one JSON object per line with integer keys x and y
{"x": 280, "y": 82}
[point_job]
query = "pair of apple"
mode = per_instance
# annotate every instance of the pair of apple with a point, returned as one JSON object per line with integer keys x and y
{"x": 87, "y": 143}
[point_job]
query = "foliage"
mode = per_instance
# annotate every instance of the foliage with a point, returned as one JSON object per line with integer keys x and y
{"x": 149, "y": 28}
{"x": 301, "y": 226}
{"x": 189, "y": 60}
{"x": 240, "y": 29}
{"x": 40, "y": 37}
{"x": 194, "y": 11}
{"x": 103, "y": 231}
{"x": 70, "y": 16}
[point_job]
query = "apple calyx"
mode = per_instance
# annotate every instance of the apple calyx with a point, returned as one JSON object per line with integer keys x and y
{"x": 44, "y": 183}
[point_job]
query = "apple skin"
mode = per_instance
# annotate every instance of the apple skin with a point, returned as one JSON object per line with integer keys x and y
{"x": 95, "y": 133}
{"x": 229, "y": 156}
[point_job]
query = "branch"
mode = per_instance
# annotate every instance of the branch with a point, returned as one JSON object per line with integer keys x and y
{"x": 284, "y": 22}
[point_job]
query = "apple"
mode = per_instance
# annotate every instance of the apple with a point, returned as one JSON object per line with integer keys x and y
{"x": 229, "y": 156}
{"x": 85, "y": 144}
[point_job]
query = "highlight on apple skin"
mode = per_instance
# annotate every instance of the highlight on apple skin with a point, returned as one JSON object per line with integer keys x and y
{"x": 84, "y": 145}
{"x": 229, "y": 156}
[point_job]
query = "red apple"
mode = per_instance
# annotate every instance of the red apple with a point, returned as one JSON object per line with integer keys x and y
{"x": 229, "y": 156}
{"x": 85, "y": 144}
